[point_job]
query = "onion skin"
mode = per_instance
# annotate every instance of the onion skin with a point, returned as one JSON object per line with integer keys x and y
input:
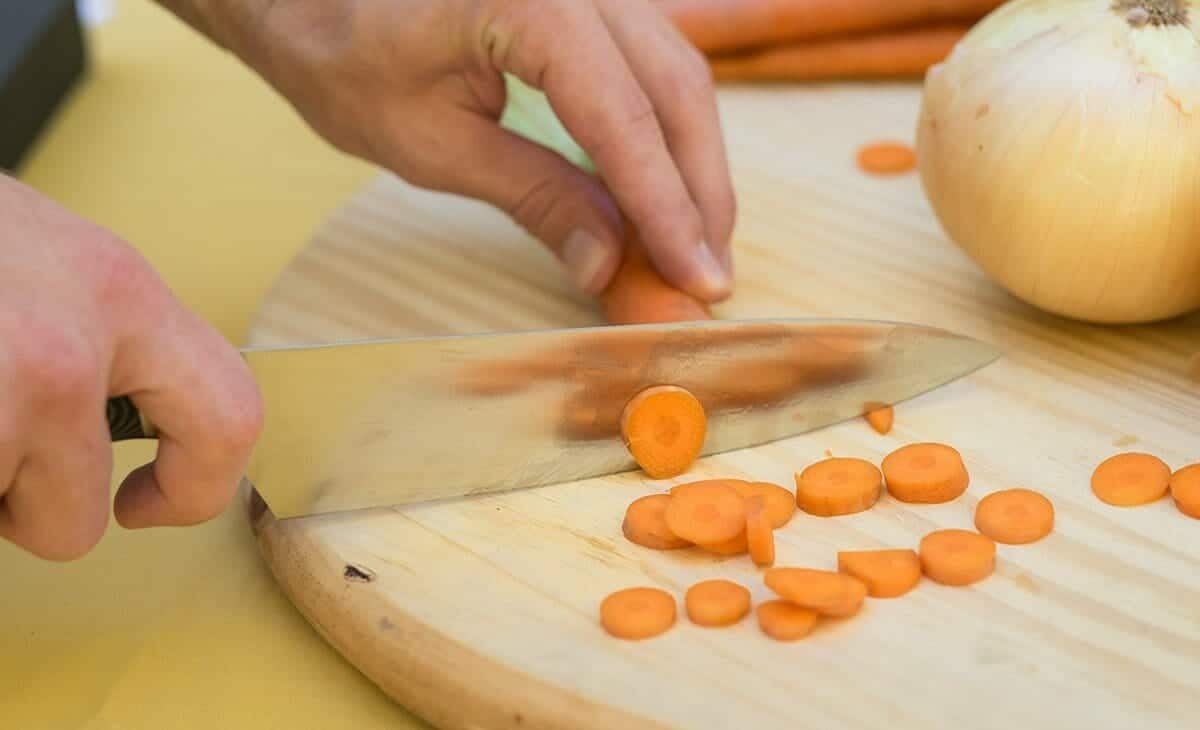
{"x": 1059, "y": 148}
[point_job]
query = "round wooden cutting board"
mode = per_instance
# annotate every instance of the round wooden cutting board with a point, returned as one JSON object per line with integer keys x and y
{"x": 482, "y": 612}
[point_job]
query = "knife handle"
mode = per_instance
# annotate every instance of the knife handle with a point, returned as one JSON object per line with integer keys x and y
{"x": 126, "y": 422}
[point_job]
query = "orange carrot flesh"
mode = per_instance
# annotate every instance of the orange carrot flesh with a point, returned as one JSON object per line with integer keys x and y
{"x": 1014, "y": 516}
{"x": 880, "y": 417}
{"x": 716, "y": 602}
{"x": 886, "y": 573}
{"x": 956, "y": 557}
{"x": 894, "y": 54}
{"x": 704, "y": 484}
{"x": 637, "y": 613}
{"x": 887, "y": 158}
{"x": 664, "y": 429}
{"x": 785, "y": 621}
{"x": 826, "y": 592}
{"x": 760, "y": 538}
{"x": 736, "y": 545}
{"x": 780, "y": 504}
{"x": 1131, "y": 479}
{"x": 840, "y": 485}
{"x": 706, "y": 513}
{"x": 645, "y": 524}
{"x": 925, "y": 472}
{"x": 637, "y": 293}
{"x": 1185, "y": 490}
{"x": 722, "y": 25}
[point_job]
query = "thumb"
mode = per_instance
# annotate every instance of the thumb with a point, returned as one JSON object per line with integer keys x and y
{"x": 567, "y": 209}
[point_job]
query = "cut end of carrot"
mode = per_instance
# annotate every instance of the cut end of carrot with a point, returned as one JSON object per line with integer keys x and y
{"x": 956, "y": 557}
{"x": 664, "y": 429}
{"x": 880, "y": 417}
{"x": 760, "y": 537}
{"x": 887, "y": 573}
{"x": 706, "y": 513}
{"x": 645, "y": 524}
{"x": 840, "y": 485}
{"x": 925, "y": 473}
{"x": 887, "y": 158}
{"x": 1185, "y": 490}
{"x": 717, "y": 602}
{"x": 637, "y": 613}
{"x": 637, "y": 293}
{"x": 1014, "y": 516}
{"x": 784, "y": 621}
{"x": 1130, "y": 479}
{"x": 826, "y": 592}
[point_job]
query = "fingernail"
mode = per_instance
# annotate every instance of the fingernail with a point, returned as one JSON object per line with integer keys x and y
{"x": 713, "y": 276}
{"x": 584, "y": 256}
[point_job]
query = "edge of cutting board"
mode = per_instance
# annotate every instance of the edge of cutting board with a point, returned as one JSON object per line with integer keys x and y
{"x": 404, "y": 657}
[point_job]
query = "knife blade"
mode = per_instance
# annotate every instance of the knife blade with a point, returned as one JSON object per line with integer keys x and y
{"x": 379, "y": 423}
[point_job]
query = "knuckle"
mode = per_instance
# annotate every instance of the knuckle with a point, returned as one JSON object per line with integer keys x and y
{"x": 536, "y": 206}
{"x": 57, "y": 366}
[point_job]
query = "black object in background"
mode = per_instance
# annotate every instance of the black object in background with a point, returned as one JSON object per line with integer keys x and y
{"x": 42, "y": 57}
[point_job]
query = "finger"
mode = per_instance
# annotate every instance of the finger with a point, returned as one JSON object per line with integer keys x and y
{"x": 565, "y": 49}
{"x": 678, "y": 82}
{"x": 201, "y": 397}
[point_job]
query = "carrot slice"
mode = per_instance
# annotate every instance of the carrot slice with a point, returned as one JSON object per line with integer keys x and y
{"x": 706, "y": 512}
{"x": 784, "y": 621}
{"x": 840, "y": 485}
{"x": 779, "y": 502}
{"x": 1130, "y": 479}
{"x": 664, "y": 428}
{"x": 1014, "y": 516}
{"x": 886, "y": 158}
{"x": 703, "y": 483}
{"x": 735, "y": 545}
{"x": 717, "y": 602}
{"x": 880, "y": 416}
{"x": 645, "y": 523}
{"x": 637, "y": 613}
{"x": 957, "y": 557}
{"x": 823, "y": 591}
{"x": 760, "y": 538}
{"x": 886, "y": 573}
{"x": 1185, "y": 490}
{"x": 925, "y": 472}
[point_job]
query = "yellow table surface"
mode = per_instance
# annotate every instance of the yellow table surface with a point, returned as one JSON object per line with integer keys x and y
{"x": 179, "y": 148}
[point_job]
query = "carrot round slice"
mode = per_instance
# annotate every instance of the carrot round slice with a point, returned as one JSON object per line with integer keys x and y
{"x": 664, "y": 428}
{"x": 886, "y": 157}
{"x": 826, "y": 592}
{"x": 638, "y": 612}
{"x": 784, "y": 621}
{"x": 706, "y": 512}
{"x": 840, "y": 485}
{"x": 1130, "y": 479}
{"x": 704, "y": 484}
{"x": 717, "y": 602}
{"x": 1014, "y": 516}
{"x": 735, "y": 545}
{"x": 957, "y": 557}
{"x": 645, "y": 523}
{"x": 1185, "y": 490}
{"x": 925, "y": 473}
{"x": 760, "y": 539}
{"x": 780, "y": 503}
{"x": 886, "y": 573}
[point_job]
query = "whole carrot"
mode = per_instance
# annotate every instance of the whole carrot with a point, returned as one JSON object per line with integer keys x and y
{"x": 891, "y": 54}
{"x": 728, "y": 25}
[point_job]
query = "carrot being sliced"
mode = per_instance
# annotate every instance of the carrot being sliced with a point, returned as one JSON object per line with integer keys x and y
{"x": 706, "y": 513}
{"x": 1185, "y": 490}
{"x": 664, "y": 428}
{"x": 840, "y": 485}
{"x": 925, "y": 472}
{"x": 779, "y": 502}
{"x": 1014, "y": 516}
{"x": 785, "y": 621}
{"x": 760, "y": 538}
{"x": 716, "y": 602}
{"x": 735, "y": 545}
{"x": 1131, "y": 479}
{"x": 638, "y": 612}
{"x": 826, "y": 592}
{"x": 880, "y": 416}
{"x": 638, "y": 294}
{"x": 645, "y": 523}
{"x": 887, "y": 573}
{"x": 956, "y": 557}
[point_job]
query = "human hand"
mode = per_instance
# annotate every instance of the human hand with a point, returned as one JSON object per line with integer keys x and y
{"x": 83, "y": 318}
{"x": 417, "y": 86}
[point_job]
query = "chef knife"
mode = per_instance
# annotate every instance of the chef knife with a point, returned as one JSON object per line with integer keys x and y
{"x": 380, "y": 423}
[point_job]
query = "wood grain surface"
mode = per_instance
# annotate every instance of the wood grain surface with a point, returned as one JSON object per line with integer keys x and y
{"x": 482, "y": 612}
